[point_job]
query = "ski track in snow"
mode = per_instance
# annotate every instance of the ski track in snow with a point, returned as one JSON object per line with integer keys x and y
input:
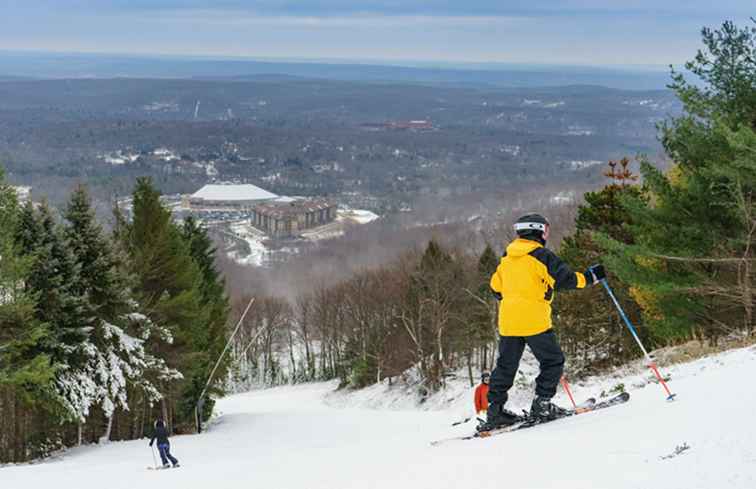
{"x": 308, "y": 437}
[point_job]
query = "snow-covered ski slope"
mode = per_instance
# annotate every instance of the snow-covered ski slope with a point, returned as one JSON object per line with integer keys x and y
{"x": 307, "y": 437}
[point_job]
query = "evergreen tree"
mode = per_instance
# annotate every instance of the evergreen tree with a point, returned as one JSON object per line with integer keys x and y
{"x": 116, "y": 358}
{"x": 691, "y": 263}
{"x": 53, "y": 278}
{"x": 167, "y": 283}
{"x": 209, "y": 338}
{"x": 26, "y": 370}
{"x": 53, "y": 282}
{"x": 28, "y": 231}
{"x": 99, "y": 277}
{"x": 590, "y": 328}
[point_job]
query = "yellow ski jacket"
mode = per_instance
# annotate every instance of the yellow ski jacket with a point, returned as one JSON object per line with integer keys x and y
{"x": 525, "y": 282}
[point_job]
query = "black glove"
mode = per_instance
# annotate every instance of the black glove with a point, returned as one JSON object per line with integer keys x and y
{"x": 594, "y": 274}
{"x": 496, "y": 294}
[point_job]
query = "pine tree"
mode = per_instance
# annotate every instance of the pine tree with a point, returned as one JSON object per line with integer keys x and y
{"x": 116, "y": 359}
{"x": 590, "y": 328}
{"x": 167, "y": 283}
{"x": 59, "y": 282}
{"x": 27, "y": 228}
{"x": 691, "y": 263}
{"x": 209, "y": 338}
{"x": 52, "y": 281}
{"x": 26, "y": 370}
{"x": 99, "y": 276}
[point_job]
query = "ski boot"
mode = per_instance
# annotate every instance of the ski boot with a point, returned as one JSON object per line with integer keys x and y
{"x": 543, "y": 409}
{"x": 498, "y": 417}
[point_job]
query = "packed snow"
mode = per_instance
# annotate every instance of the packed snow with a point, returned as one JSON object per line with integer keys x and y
{"x": 357, "y": 215}
{"x": 312, "y": 436}
{"x": 255, "y": 239}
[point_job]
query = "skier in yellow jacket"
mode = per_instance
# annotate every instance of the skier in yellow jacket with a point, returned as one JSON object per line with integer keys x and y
{"x": 524, "y": 283}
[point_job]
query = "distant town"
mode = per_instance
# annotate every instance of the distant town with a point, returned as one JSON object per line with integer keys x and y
{"x": 256, "y": 226}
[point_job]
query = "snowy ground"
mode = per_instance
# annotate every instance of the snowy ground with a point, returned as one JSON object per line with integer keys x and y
{"x": 308, "y": 437}
{"x": 357, "y": 215}
{"x": 259, "y": 254}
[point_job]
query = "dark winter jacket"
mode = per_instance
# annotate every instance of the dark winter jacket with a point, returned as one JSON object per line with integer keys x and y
{"x": 526, "y": 280}
{"x": 160, "y": 433}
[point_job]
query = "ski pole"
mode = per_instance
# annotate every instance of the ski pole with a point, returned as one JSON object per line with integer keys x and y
{"x": 566, "y": 388}
{"x": 154, "y": 460}
{"x": 651, "y": 363}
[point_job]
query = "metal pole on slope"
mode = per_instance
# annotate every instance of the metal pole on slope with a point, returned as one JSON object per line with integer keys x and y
{"x": 651, "y": 363}
{"x": 200, "y": 400}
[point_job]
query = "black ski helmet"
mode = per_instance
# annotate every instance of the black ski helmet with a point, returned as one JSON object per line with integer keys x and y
{"x": 531, "y": 226}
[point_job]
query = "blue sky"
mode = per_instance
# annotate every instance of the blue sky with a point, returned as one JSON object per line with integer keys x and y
{"x": 584, "y": 32}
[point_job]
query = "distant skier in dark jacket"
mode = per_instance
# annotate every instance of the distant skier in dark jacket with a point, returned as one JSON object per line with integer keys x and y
{"x": 524, "y": 283}
{"x": 164, "y": 446}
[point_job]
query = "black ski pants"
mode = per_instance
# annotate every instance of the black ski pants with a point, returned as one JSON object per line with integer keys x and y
{"x": 165, "y": 453}
{"x": 546, "y": 350}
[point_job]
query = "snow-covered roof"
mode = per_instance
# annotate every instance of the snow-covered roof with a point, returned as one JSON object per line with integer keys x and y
{"x": 233, "y": 192}
{"x": 285, "y": 200}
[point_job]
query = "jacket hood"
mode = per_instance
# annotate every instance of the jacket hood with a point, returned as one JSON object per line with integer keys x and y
{"x": 521, "y": 247}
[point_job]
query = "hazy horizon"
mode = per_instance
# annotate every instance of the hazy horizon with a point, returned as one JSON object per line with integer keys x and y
{"x": 550, "y": 32}
{"x": 61, "y": 65}
{"x": 408, "y": 63}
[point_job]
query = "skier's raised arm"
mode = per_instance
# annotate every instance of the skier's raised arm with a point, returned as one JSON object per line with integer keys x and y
{"x": 561, "y": 277}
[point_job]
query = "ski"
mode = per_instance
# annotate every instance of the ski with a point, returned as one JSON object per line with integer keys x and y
{"x": 585, "y": 407}
{"x": 585, "y": 404}
{"x": 463, "y": 421}
{"x": 613, "y": 401}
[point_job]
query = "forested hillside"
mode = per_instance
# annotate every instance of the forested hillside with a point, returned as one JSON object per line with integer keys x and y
{"x": 101, "y": 331}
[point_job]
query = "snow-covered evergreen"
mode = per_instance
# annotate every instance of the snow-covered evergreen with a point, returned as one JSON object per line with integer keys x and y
{"x": 116, "y": 362}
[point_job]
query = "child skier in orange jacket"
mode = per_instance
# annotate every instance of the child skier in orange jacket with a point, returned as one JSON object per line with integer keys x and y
{"x": 481, "y": 394}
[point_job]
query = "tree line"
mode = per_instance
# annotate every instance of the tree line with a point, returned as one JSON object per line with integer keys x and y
{"x": 102, "y": 333}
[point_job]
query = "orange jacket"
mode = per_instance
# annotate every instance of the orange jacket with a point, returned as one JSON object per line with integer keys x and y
{"x": 481, "y": 398}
